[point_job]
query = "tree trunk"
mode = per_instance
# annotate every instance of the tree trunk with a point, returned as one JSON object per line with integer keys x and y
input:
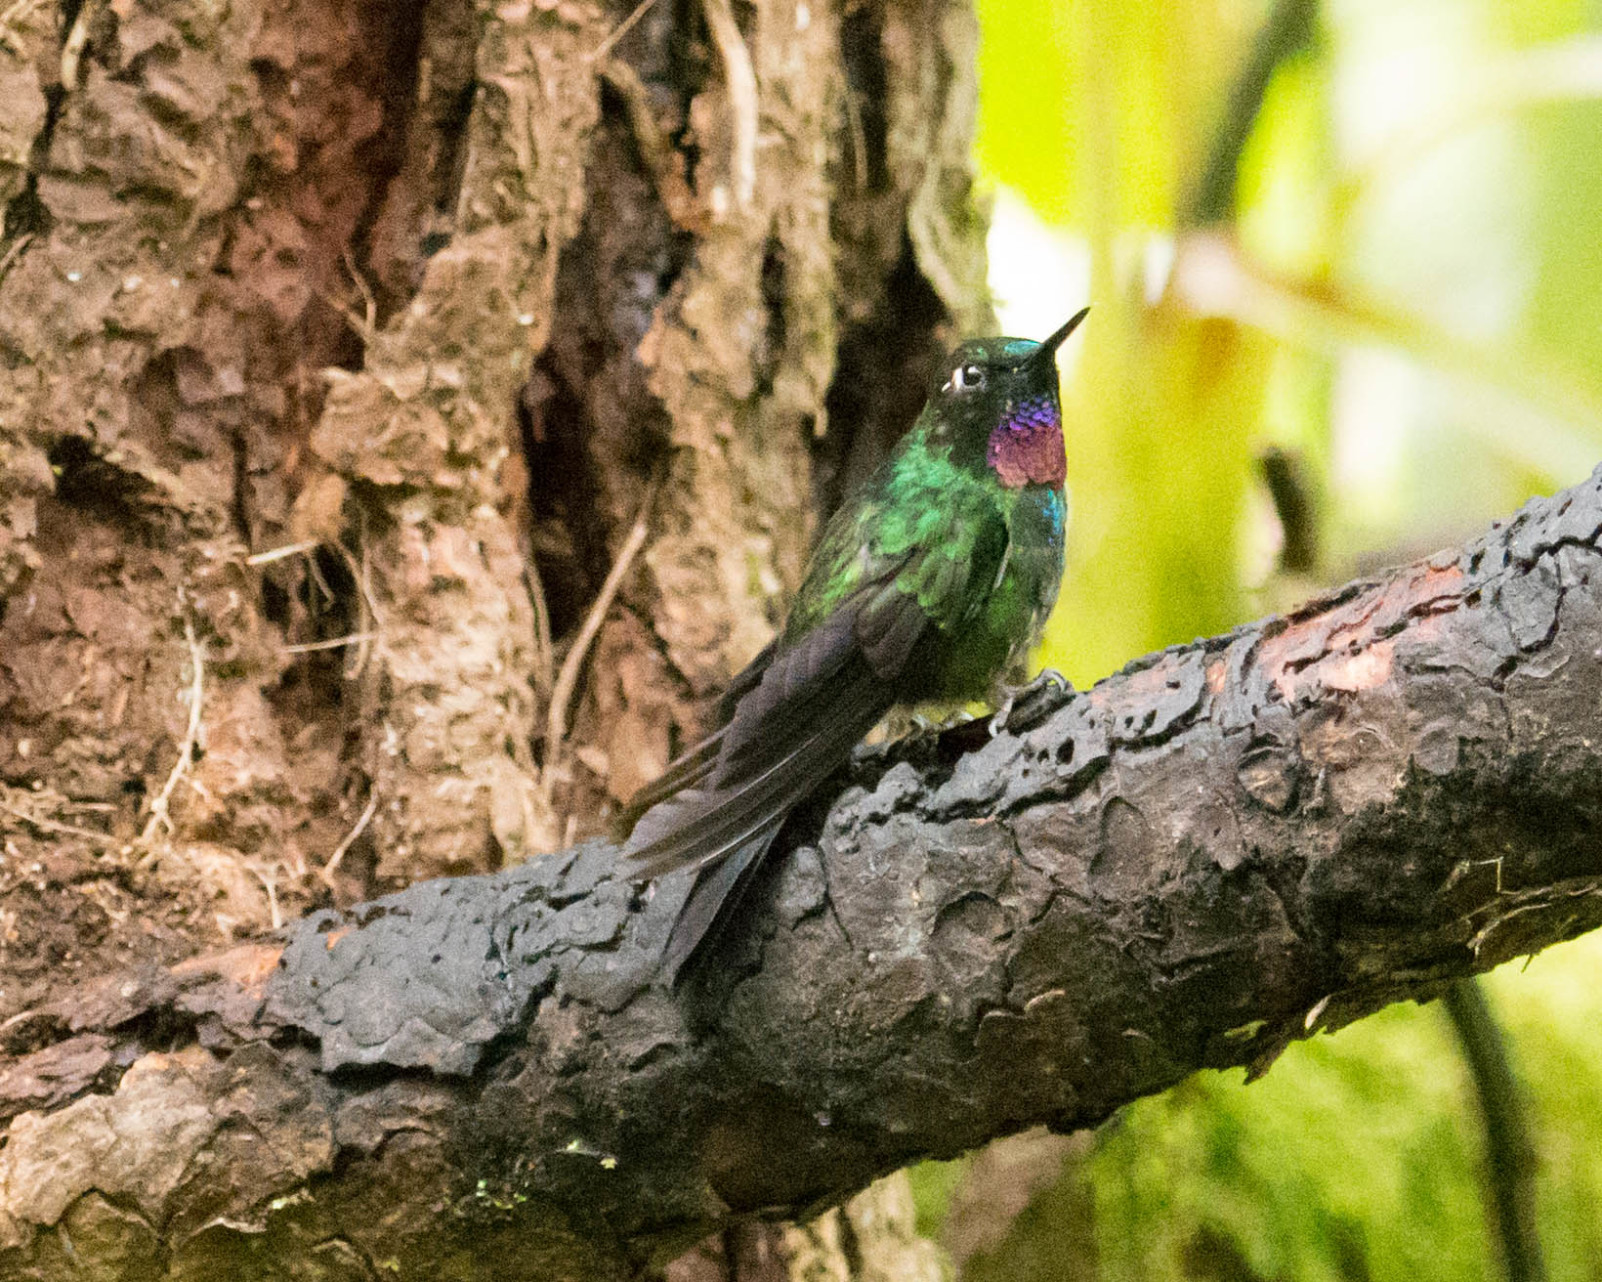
{"x": 344, "y": 344}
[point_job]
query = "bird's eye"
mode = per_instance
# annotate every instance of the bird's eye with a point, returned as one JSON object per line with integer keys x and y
{"x": 968, "y": 378}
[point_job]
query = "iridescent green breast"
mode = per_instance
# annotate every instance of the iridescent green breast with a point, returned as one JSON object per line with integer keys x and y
{"x": 992, "y": 645}
{"x": 981, "y": 560}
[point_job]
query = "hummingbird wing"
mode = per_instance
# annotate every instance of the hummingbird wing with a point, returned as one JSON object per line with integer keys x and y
{"x": 794, "y": 715}
{"x": 816, "y": 700}
{"x": 817, "y": 697}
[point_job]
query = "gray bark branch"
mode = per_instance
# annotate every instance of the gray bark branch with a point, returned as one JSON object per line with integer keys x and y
{"x": 1225, "y": 847}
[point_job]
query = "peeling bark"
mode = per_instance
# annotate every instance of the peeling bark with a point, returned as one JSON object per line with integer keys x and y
{"x": 1225, "y": 847}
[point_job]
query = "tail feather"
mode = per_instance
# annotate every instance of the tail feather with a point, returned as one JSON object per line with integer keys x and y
{"x": 717, "y": 892}
{"x": 692, "y": 766}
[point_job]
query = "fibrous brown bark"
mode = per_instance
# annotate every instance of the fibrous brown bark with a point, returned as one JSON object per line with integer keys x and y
{"x": 1225, "y": 847}
{"x": 340, "y": 343}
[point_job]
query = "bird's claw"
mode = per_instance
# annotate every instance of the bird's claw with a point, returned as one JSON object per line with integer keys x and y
{"x": 1026, "y": 706}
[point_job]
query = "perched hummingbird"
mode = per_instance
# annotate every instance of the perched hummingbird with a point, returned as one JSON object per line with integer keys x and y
{"x": 929, "y": 586}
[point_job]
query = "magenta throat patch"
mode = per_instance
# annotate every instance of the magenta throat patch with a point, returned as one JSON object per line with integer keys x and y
{"x": 1027, "y": 447}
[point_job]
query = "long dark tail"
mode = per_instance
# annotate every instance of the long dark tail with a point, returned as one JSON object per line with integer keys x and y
{"x": 716, "y": 894}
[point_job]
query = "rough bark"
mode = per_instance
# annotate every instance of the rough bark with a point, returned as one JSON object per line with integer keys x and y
{"x": 341, "y": 344}
{"x": 1225, "y": 847}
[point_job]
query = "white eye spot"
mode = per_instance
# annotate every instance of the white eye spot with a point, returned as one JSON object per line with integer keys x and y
{"x": 968, "y": 378}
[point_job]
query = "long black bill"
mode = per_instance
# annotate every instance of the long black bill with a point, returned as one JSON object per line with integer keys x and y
{"x": 1047, "y": 351}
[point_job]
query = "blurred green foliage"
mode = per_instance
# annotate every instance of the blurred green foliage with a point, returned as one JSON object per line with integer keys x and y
{"x": 1407, "y": 301}
{"x": 1357, "y": 1156}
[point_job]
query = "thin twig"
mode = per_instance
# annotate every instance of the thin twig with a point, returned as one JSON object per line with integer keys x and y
{"x": 283, "y": 553}
{"x": 573, "y": 663}
{"x": 369, "y": 303}
{"x": 73, "y": 47}
{"x": 327, "y": 871}
{"x": 332, "y": 643}
{"x": 622, "y": 29}
{"x": 859, "y": 138}
{"x": 270, "y": 885}
{"x": 57, "y": 827}
{"x": 740, "y": 78}
{"x": 656, "y": 150}
{"x": 12, "y": 254}
{"x": 363, "y": 324}
{"x": 544, "y": 655}
{"x": 186, "y": 750}
{"x": 372, "y": 621}
{"x": 315, "y": 573}
{"x": 1289, "y": 29}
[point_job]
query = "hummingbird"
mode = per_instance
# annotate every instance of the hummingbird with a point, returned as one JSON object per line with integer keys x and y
{"x": 929, "y": 586}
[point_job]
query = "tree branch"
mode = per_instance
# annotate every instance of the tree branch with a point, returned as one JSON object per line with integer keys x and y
{"x": 1288, "y": 30}
{"x": 1221, "y": 849}
{"x": 1511, "y": 1162}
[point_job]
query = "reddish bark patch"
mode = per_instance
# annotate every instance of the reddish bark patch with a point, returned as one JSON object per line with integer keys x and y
{"x": 1361, "y": 671}
{"x": 1347, "y": 645}
{"x": 248, "y": 966}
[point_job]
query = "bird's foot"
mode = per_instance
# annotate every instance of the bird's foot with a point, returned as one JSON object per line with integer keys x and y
{"x": 1026, "y": 706}
{"x": 904, "y": 725}
{"x": 928, "y": 724}
{"x": 906, "y": 734}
